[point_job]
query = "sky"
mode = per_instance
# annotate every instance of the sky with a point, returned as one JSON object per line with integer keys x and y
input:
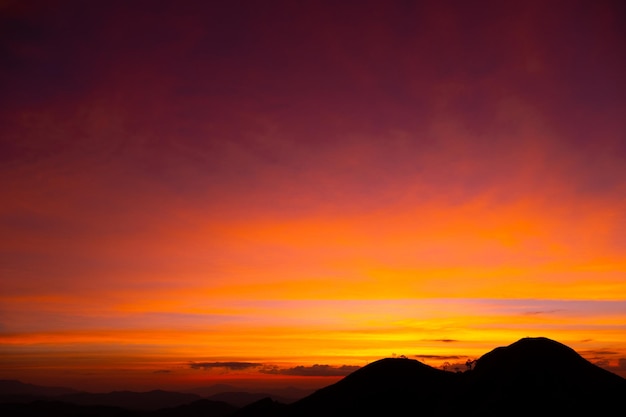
{"x": 280, "y": 192}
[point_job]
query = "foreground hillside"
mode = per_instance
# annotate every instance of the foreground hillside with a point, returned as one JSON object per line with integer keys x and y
{"x": 533, "y": 376}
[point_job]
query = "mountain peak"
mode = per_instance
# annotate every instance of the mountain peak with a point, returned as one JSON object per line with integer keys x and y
{"x": 540, "y": 343}
{"x": 530, "y": 352}
{"x": 540, "y": 362}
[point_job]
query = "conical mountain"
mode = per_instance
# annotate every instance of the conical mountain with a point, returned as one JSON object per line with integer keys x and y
{"x": 386, "y": 387}
{"x": 542, "y": 377}
{"x": 540, "y": 357}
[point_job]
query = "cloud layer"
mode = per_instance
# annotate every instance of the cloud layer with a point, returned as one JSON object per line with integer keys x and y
{"x": 314, "y": 370}
{"x": 233, "y": 366}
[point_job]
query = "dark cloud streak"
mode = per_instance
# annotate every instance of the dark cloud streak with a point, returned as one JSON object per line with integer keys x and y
{"x": 315, "y": 370}
{"x": 233, "y": 366}
{"x": 439, "y": 357}
{"x": 442, "y": 340}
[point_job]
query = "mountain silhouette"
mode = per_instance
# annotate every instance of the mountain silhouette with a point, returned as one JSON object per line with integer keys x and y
{"x": 52, "y": 408}
{"x": 533, "y": 376}
{"x": 265, "y": 407}
{"x": 384, "y": 387}
{"x": 12, "y": 391}
{"x": 200, "y": 408}
{"x": 151, "y": 400}
{"x": 243, "y": 398}
{"x": 12, "y": 387}
{"x": 207, "y": 391}
{"x": 540, "y": 375}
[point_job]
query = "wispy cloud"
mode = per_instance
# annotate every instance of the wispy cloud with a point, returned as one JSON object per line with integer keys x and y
{"x": 539, "y": 312}
{"x": 598, "y": 352}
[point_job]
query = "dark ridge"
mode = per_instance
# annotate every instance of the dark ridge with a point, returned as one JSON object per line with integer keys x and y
{"x": 243, "y": 398}
{"x": 200, "y": 408}
{"x": 212, "y": 389}
{"x": 265, "y": 407}
{"x": 12, "y": 387}
{"x": 151, "y": 400}
{"x": 61, "y": 409}
{"x": 287, "y": 395}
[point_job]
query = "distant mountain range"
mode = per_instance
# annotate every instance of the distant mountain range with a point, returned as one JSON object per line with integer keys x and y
{"x": 18, "y": 392}
{"x": 10, "y": 387}
{"x": 240, "y": 397}
{"x": 533, "y": 376}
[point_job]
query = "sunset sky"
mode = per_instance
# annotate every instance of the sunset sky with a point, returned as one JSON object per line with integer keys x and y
{"x": 279, "y": 192}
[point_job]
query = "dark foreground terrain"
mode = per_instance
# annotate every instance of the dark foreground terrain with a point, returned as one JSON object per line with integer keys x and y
{"x": 533, "y": 376}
